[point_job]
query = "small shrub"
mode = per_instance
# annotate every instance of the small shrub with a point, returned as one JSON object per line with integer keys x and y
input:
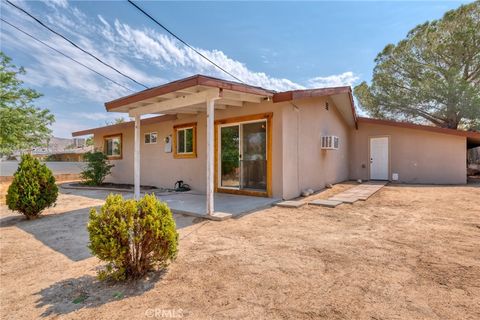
{"x": 133, "y": 237}
{"x": 33, "y": 188}
{"x": 97, "y": 168}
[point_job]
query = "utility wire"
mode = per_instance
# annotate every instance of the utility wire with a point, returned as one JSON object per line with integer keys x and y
{"x": 182, "y": 41}
{"x": 63, "y": 54}
{"x": 74, "y": 44}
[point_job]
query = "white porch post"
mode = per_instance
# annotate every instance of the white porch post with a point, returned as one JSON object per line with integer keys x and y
{"x": 136, "y": 159}
{"x": 210, "y": 154}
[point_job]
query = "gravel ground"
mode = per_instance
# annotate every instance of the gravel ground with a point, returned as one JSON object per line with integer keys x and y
{"x": 409, "y": 252}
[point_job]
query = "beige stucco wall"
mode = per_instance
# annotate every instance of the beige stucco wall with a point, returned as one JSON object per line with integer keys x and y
{"x": 298, "y": 162}
{"x": 418, "y": 156}
{"x": 162, "y": 169}
{"x": 305, "y": 164}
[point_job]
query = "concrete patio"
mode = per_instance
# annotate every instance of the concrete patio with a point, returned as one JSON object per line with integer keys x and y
{"x": 189, "y": 203}
{"x": 194, "y": 204}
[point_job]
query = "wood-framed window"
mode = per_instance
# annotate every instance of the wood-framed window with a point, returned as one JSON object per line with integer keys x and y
{"x": 185, "y": 140}
{"x": 113, "y": 146}
{"x": 150, "y": 138}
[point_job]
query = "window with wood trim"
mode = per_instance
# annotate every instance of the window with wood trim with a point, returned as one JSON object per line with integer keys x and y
{"x": 185, "y": 140}
{"x": 113, "y": 146}
{"x": 150, "y": 138}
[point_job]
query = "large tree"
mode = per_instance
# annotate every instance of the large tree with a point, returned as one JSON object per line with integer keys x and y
{"x": 22, "y": 125}
{"x": 433, "y": 75}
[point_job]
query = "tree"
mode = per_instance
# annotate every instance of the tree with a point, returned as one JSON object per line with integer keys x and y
{"x": 22, "y": 125}
{"x": 89, "y": 142}
{"x": 433, "y": 74}
{"x": 96, "y": 169}
{"x": 115, "y": 121}
{"x": 33, "y": 188}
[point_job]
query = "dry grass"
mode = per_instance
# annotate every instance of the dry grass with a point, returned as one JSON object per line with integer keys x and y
{"x": 409, "y": 252}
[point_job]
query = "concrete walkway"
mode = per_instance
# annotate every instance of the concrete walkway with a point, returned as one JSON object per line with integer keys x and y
{"x": 361, "y": 192}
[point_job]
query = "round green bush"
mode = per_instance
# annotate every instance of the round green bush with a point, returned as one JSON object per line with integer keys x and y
{"x": 133, "y": 237}
{"x": 33, "y": 188}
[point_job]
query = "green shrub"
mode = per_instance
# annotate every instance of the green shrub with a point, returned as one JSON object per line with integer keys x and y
{"x": 33, "y": 188}
{"x": 96, "y": 169}
{"x": 132, "y": 236}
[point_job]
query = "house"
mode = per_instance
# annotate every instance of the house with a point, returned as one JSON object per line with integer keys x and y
{"x": 223, "y": 136}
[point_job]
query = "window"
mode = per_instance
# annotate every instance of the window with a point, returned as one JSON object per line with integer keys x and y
{"x": 185, "y": 140}
{"x": 151, "y": 138}
{"x": 113, "y": 146}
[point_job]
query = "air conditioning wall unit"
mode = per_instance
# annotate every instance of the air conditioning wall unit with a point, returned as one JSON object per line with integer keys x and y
{"x": 330, "y": 142}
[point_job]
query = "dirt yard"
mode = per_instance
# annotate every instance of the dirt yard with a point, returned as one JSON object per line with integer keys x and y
{"x": 409, "y": 252}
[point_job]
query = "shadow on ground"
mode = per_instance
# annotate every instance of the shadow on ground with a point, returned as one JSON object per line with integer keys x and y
{"x": 87, "y": 291}
{"x": 66, "y": 232}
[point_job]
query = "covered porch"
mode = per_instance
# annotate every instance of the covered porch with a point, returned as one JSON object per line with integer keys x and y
{"x": 187, "y": 98}
{"x": 188, "y": 203}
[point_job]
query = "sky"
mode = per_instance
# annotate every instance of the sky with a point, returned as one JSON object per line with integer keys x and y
{"x": 275, "y": 45}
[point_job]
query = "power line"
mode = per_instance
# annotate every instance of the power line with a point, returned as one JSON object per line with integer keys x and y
{"x": 182, "y": 41}
{"x": 63, "y": 54}
{"x": 74, "y": 44}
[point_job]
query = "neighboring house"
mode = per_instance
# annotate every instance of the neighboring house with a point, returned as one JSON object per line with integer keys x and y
{"x": 241, "y": 139}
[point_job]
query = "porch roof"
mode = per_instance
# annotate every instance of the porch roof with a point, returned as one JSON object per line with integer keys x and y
{"x": 188, "y": 96}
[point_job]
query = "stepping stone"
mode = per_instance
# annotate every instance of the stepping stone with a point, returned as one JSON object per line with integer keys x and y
{"x": 326, "y": 203}
{"x": 344, "y": 200}
{"x": 290, "y": 204}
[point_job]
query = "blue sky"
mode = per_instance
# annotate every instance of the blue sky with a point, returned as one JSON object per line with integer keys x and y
{"x": 276, "y": 45}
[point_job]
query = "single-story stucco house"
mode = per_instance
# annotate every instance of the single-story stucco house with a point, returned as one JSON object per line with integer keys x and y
{"x": 223, "y": 136}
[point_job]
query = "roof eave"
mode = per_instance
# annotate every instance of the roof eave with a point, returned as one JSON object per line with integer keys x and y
{"x": 123, "y": 125}
{"x": 408, "y": 125}
{"x": 185, "y": 83}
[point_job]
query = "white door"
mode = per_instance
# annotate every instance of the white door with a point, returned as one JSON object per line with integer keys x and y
{"x": 379, "y": 158}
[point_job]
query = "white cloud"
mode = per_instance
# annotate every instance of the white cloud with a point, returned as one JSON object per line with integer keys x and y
{"x": 142, "y": 53}
{"x": 57, "y": 3}
{"x": 166, "y": 52}
{"x": 126, "y": 48}
{"x": 344, "y": 79}
{"x": 50, "y": 69}
{"x": 63, "y": 127}
{"x": 99, "y": 115}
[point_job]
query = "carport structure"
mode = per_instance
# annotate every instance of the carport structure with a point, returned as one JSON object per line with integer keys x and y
{"x": 191, "y": 95}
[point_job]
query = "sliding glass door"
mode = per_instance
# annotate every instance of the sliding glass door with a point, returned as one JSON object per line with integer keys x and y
{"x": 243, "y": 156}
{"x": 230, "y": 156}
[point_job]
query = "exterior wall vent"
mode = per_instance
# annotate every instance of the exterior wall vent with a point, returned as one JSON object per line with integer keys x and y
{"x": 330, "y": 142}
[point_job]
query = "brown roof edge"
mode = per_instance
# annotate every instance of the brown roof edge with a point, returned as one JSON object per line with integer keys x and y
{"x": 187, "y": 83}
{"x": 124, "y": 125}
{"x": 468, "y": 134}
{"x": 309, "y": 93}
{"x": 354, "y": 112}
